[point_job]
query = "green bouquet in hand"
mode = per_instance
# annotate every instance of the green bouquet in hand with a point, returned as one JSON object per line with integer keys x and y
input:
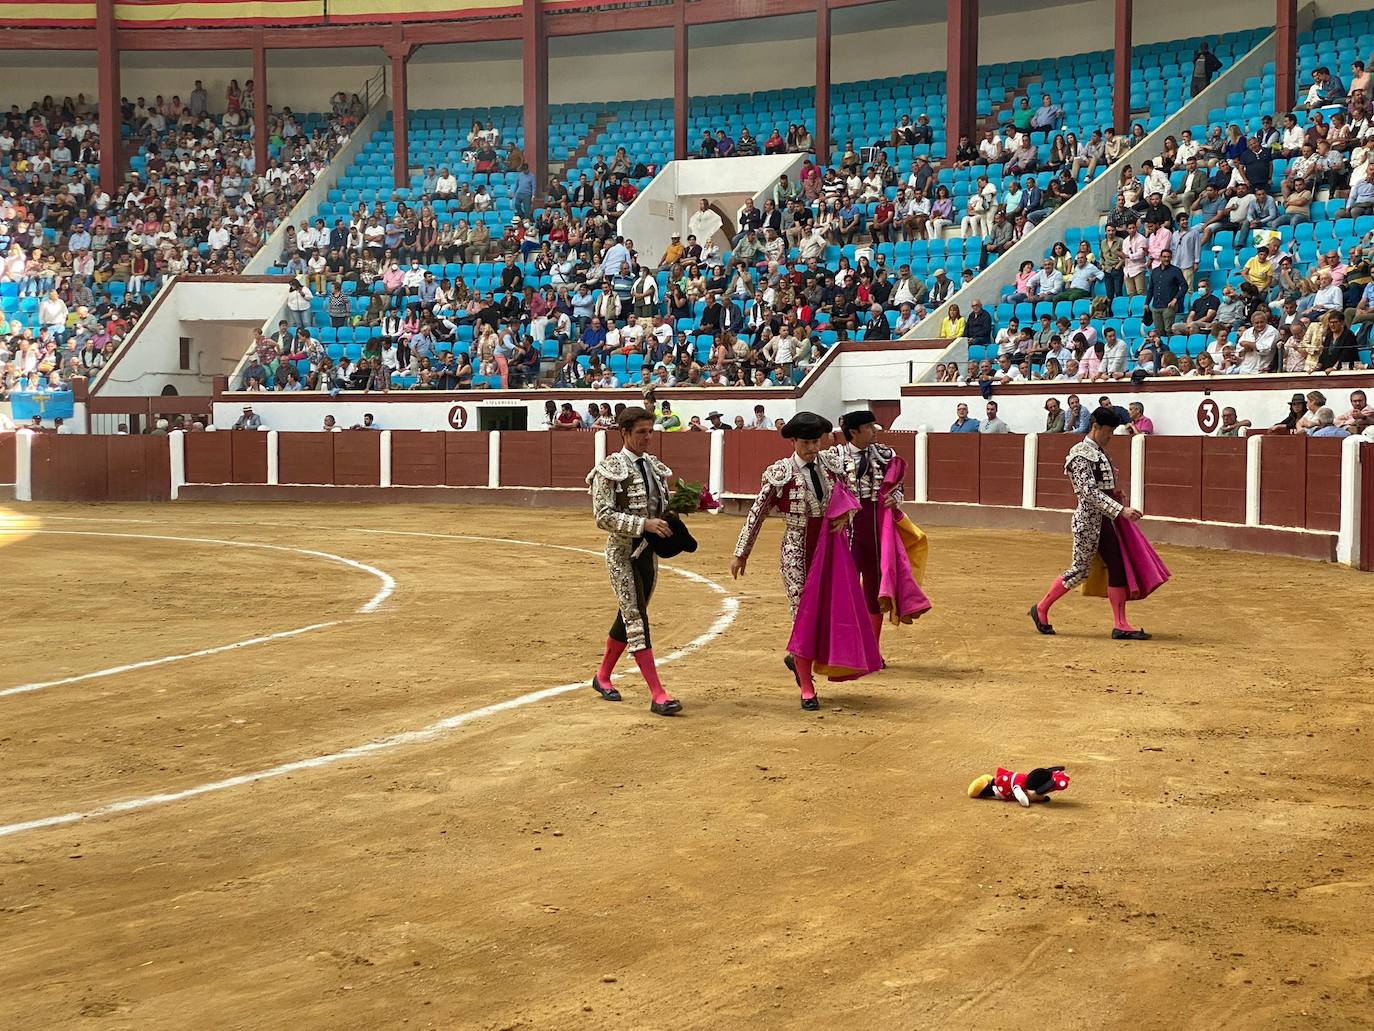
{"x": 691, "y": 497}
{"x": 685, "y": 499}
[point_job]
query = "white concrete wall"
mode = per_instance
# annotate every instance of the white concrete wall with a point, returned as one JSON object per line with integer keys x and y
{"x": 218, "y": 317}
{"x": 893, "y": 38}
{"x": 666, "y": 205}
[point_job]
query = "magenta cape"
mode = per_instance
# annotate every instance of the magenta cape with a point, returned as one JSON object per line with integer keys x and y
{"x": 832, "y": 628}
{"x": 1145, "y": 570}
{"x": 899, "y": 595}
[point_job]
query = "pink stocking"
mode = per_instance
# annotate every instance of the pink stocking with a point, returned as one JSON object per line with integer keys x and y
{"x": 1057, "y": 590}
{"x": 876, "y": 620}
{"x": 614, "y": 650}
{"x": 1117, "y": 596}
{"x": 808, "y": 686}
{"x": 644, "y": 659}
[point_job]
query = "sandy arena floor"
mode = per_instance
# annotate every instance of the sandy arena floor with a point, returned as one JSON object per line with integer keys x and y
{"x": 567, "y": 863}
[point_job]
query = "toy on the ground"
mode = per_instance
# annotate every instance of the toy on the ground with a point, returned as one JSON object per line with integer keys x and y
{"x": 1025, "y": 788}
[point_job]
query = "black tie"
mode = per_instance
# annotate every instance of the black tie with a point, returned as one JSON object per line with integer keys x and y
{"x": 648, "y": 485}
{"x": 863, "y": 463}
{"x": 815, "y": 480}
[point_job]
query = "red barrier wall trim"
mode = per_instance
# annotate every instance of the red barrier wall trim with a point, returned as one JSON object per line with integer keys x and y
{"x": 1223, "y": 479}
{"x": 358, "y": 458}
{"x": 904, "y": 443}
{"x": 305, "y": 457}
{"x": 687, "y": 454}
{"x": 6, "y": 457}
{"x": 1366, "y": 529}
{"x": 953, "y": 473}
{"x": 1322, "y": 490}
{"x": 209, "y": 458}
{"x": 526, "y": 458}
{"x": 466, "y": 459}
{"x": 77, "y": 467}
{"x": 138, "y": 468}
{"x": 1052, "y": 487}
{"x": 248, "y": 455}
{"x": 747, "y": 454}
{"x": 1001, "y": 468}
{"x": 417, "y": 458}
{"x": 1283, "y": 478}
{"x": 1173, "y": 477}
{"x": 571, "y": 457}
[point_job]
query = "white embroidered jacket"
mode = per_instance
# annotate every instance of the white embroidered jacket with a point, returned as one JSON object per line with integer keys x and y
{"x": 787, "y": 489}
{"x": 620, "y": 504}
{"x": 866, "y": 487}
{"x": 1093, "y": 477}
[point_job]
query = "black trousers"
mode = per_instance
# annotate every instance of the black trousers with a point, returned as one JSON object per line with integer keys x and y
{"x": 645, "y": 574}
{"x": 863, "y": 545}
{"x": 1109, "y": 547}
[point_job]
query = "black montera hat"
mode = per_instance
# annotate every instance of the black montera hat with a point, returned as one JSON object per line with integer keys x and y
{"x": 851, "y": 421}
{"x": 806, "y": 426}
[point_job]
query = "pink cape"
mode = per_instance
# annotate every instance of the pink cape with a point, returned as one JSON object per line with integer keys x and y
{"x": 1145, "y": 570}
{"x": 899, "y": 596}
{"x": 832, "y": 628}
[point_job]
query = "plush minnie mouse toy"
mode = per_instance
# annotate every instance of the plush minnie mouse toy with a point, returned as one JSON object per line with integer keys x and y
{"x": 1025, "y": 788}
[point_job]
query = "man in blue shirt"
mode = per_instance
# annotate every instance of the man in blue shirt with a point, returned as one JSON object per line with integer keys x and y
{"x": 963, "y": 424}
{"x": 1048, "y": 115}
{"x": 523, "y": 193}
{"x": 1076, "y": 417}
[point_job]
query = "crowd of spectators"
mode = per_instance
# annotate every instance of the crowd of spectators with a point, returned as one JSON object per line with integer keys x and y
{"x": 1208, "y": 234}
{"x": 573, "y": 300}
{"x": 78, "y": 265}
{"x": 1309, "y": 414}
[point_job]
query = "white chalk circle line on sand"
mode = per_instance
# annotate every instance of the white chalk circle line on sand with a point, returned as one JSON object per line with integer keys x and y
{"x": 728, "y": 611}
{"x": 371, "y": 605}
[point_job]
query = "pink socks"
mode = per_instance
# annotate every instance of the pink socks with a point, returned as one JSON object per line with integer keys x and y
{"x": 808, "y": 687}
{"x": 1117, "y": 596}
{"x": 1057, "y": 590}
{"x": 614, "y": 650}
{"x": 644, "y": 659}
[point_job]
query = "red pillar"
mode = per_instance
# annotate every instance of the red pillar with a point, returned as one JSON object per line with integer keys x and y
{"x": 1121, "y": 91}
{"x": 1285, "y": 57}
{"x": 821, "y": 136}
{"x": 536, "y": 74}
{"x": 260, "y": 107}
{"x": 107, "y": 91}
{"x": 961, "y": 64}
{"x": 681, "y": 99}
{"x": 399, "y": 53}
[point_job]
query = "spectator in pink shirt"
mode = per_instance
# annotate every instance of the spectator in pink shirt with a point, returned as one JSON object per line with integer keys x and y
{"x": 1140, "y": 423}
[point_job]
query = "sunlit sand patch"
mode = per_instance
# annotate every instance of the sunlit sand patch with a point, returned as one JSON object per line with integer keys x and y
{"x": 15, "y": 526}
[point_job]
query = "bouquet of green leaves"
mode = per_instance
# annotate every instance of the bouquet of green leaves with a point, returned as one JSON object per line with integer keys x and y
{"x": 691, "y": 497}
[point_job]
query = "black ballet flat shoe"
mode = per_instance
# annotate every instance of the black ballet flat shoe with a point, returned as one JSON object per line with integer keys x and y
{"x": 669, "y": 708}
{"x": 1129, "y": 635}
{"x": 812, "y": 704}
{"x": 608, "y": 694}
{"x": 1044, "y": 628}
{"x": 791, "y": 664}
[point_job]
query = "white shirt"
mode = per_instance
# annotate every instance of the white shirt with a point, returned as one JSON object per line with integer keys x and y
{"x": 218, "y": 238}
{"x": 1257, "y": 360}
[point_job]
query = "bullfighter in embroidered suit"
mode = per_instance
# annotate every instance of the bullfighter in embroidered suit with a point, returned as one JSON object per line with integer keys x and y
{"x": 629, "y": 501}
{"x": 863, "y": 464}
{"x": 798, "y": 488}
{"x": 1094, "y": 527}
